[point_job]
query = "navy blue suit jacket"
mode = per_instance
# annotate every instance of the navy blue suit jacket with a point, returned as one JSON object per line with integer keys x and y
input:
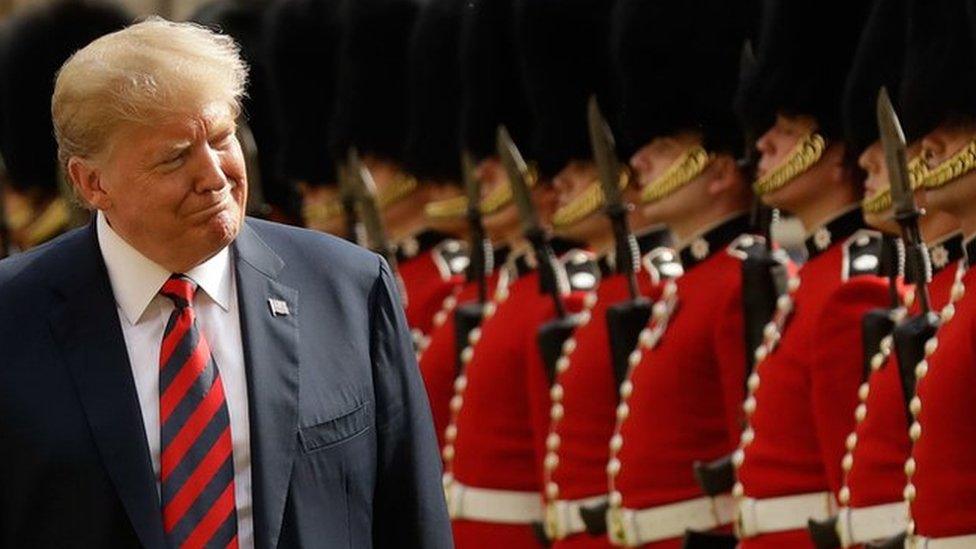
{"x": 342, "y": 445}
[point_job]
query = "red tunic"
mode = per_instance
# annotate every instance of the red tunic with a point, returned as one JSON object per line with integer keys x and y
{"x": 437, "y": 358}
{"x": 494, "y": 445}
{"x": 687, "y": 390}
{"x": 805, "y": 401}
{"x": 428, "y": 278}
{"x": 945, "y": 453}
{"x": 589, "y": 399}
{"x": 877, "y": 475}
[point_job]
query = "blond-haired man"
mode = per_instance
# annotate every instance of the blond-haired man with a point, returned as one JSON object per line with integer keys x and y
{"x": 179, "y": 376}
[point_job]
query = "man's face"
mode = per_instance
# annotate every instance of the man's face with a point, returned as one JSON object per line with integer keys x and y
{"x": 504, "y": 225}
{"x": 956, "y": 197}
{"x": 175, "y": 190}
{"x": 775, "y": 147}
{"x": 872, "y": 161}
{"x": 650, "y": 162}
{"x": 570, "y": 183}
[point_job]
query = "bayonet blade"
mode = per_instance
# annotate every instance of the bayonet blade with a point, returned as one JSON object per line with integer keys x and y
{"x": 893, "y": 141}
{"x": 517, "y": 171}
{"x": 604, "y": 153}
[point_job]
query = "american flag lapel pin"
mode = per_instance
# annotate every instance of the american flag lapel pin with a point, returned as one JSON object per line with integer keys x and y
{"x": 278, "y": 307}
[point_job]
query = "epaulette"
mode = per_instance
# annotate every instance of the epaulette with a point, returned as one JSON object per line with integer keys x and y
{"x": 662, "y": 264}
{"x": 582, "y": 270}
{"x": 862, "y": 254}
{"x": 451, "y": 258}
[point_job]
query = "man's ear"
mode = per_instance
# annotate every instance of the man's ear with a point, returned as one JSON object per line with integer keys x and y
{"x": 86, "y": 179}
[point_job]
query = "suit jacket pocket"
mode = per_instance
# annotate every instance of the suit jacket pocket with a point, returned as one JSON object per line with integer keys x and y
{"x": 337, "y": 430}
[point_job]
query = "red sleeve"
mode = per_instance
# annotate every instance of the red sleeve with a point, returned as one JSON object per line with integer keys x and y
{"x": 837, "y": 365}
{"x": 730, "y": 352}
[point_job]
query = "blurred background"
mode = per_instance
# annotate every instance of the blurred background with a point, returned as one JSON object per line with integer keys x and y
{"x": 171, "y": 9}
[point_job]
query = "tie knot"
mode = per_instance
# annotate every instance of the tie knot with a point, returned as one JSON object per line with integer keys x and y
{"x": 180, "y": 289}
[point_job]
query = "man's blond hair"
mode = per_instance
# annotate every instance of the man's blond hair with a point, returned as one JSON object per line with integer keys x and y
{"x": 139, "y": 75}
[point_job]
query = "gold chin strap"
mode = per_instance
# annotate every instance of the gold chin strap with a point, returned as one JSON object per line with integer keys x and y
{"x": 806, "y": 153}
{"x": 52, "y": 221}
{"x": 318, "y": 213}
{"x": 688, "y": 166}
{"x": 585, "y": 205}
{"x": 455, "y": 207}
{"x": 956, "y": 166}
{"x": 401, "y": 187}
{"x": 881, "y": 202}
{"x": 501, "y": 195}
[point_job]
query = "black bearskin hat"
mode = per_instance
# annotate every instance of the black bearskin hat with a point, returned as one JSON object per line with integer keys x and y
{"x": 878, "y": 62}
{"x": 939, "y": 82}
{"x": 371, "y": 82}
{"x": 38, "y": 42}
{"x": 562, "y": 45}
{"x": 491, "y": 85}
{"x": 678, "y": 68}
{"x": 303, "y": 38}
{"x": 431, "y": 151}
{"x": 802, "y": 62}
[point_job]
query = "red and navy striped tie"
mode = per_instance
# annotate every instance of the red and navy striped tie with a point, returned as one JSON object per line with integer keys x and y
{"x": 197, "y": 462}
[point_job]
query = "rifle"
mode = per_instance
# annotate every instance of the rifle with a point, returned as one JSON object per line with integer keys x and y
{"x": 624, "y": 320}
{"x": 911, "y": 335}
{"x": 362, "y": 184}
{"x": 468, "y": 316}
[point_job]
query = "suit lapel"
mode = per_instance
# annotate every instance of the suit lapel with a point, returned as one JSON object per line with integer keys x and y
{"x": 86, "y": 327}
{"x": 271, "y": 361}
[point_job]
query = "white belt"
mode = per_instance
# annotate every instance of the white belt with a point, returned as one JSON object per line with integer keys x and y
{"x": 781, "y": 514}
{"x": 563, "y": 517}
{"x": 631, "y": 528}
{"x": 954, "y": 542}
{"x": 860, "y": 525}
{"x": 488, "y": 505}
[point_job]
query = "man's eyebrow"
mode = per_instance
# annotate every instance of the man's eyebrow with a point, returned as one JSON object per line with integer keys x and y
{"x": 170, "y": 147}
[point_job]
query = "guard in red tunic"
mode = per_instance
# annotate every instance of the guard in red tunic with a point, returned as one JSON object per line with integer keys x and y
{"x": 939, "y": 104}
{"x": 872, "y": 504}
{"x": 680, "y": 400}
{"x": 576, "y": 417}
{"x": 487, "y": 100}
{"x": 803, "y": 391}
{"x": 491, "y": 474}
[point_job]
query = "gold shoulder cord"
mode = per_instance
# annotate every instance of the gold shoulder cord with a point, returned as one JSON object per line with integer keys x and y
{"x": 455, "y": 207}
{"x": 586, "y": 204}
{"x": 687, "y": 167}
{"x": 881, "y": 202}
{"x": 806, "y": 153}
{"x": 956, "y": 166}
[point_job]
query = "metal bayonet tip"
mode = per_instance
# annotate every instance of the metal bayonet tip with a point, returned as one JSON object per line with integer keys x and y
{"x": 893, "y": 142}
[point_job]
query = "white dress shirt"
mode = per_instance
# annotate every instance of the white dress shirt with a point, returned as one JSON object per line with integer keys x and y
{"x": 143, "y": 313}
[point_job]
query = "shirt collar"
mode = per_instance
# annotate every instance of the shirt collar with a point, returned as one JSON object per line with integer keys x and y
{"x": 136, "y": 279}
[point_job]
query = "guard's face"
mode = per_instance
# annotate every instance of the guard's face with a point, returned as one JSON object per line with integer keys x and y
{"x": 650, "y": 162}
{"x": 175, "y": 190}
{"x": 776, "y": 147}
{"x": 570, "y": 183}
{"x": 957, "y": 196}
{"x": 872, "y": 161}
